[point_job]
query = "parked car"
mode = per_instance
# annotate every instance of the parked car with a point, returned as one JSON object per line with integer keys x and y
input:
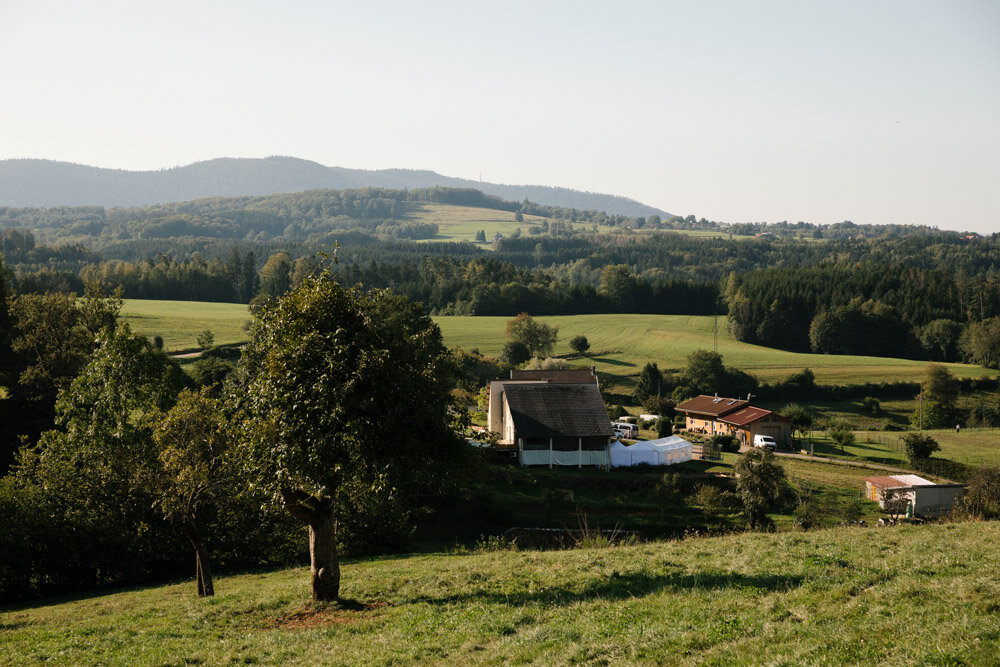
{"x": 765, "y": 441}
{"x": 625, "y": 430}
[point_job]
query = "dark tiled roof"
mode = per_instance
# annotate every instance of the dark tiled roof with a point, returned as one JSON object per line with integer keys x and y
{"x": 713, "y": 406}
{"x": 749, "y": 415}
{"x": 576, "y": 375}
{"x": 553, "y": 410}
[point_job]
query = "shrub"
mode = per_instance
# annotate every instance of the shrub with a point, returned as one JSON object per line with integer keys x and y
{"x": 982, "y": 496}
{"x": 919, "y": 446}
{"x": 726, "y": 443}
{"x": 663, "y": 427}
{"x": 579, "y": 344}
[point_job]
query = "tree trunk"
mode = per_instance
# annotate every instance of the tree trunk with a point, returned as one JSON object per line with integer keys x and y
{"x": 324, "y": 563}
{"x": 202, "y": 564}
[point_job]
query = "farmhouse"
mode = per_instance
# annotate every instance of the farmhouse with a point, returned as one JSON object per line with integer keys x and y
{"x": 926, "y": 499}
{"x": 716, "y": 415}
{"x": 551, "y": 418}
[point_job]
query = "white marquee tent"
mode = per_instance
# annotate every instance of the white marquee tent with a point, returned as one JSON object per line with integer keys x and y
{"x": 631, "y": 455}
{"x": 670, "y": 450}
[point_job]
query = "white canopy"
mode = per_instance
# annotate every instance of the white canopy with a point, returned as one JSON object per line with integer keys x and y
{"x": 670, "y": 450}
{"x": 630, "y": 455}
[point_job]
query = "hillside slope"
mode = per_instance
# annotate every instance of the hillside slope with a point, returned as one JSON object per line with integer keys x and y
{"x": 911, "y": 595}
{"x": 47, "y": 183}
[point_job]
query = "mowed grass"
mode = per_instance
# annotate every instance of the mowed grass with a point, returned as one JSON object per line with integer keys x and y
{"x": 620, "y": 345}
{"x": 971, "y": 446}
{"x": 906, "y": 595}
{"x": 461, "y": 223}
{"x": 180, "y": 322}
{"x": 623, "y": 344}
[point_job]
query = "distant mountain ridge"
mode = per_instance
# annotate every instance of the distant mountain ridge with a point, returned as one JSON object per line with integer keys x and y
{"x": 48, "y": 183}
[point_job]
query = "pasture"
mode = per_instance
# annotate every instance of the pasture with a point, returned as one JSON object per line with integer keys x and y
{"x": 180, "y": 322}
{"x": 460, "y": 223}
{"x": 619, "y": 344}
{"x": 905, "y": 595}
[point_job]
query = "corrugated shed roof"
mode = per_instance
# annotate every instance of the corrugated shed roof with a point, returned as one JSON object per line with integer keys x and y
{"x": 553, "y": 410}
{"x": 898, "y": 481}
{"x": 714, "y": 406}
{"x": 746, "y": 416}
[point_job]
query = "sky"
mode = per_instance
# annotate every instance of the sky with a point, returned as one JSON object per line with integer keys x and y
{"x": 876, "y": 112}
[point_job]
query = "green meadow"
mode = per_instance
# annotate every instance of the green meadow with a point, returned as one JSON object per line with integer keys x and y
{"x": 905, "y": 595}
{"x": 461, "y": 223}
{"x": 619, "y": 344}
{"x": 180, "y": 322}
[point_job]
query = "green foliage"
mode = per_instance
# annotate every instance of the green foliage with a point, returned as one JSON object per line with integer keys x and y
{"x": 649, "y": 384}
{"x": 664, "y": 427}
{"x": 841, "y": 434}
{"x": 919, "y": 445}
{"x": 475, "y": 370}
{"x": 871, "y": 405}
{"x": 940, "y": 386}
{"x": 726, "y": 443}
{"x": 982, "y": 495}
{"x": 329, "y": 375}
{"x": 579, "y": 344}
{"x": 206, "y": 339}
{"x": 802, "y": 419}
{"x": 538, "y": 337}
{"x": 931, "y": 414}
{"x": 982, "y": 344}
{"x": 514, "y": 354}
{"x": 759, "y": 482}
{"x": 659, "y": 405}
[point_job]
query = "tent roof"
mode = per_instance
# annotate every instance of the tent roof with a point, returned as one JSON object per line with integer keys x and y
{"x": 665, "y": 444}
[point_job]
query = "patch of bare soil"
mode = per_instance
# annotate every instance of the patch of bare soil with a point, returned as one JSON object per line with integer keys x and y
{"x": 345, "y": 612}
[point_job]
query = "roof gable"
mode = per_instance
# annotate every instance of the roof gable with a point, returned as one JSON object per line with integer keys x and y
{"x": 749, "y": 415}
{"x": 557, "y": 410}
{"x": 712, "y": 406}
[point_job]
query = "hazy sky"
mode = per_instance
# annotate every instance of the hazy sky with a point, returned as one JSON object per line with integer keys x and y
{"x": 872, "y": 111}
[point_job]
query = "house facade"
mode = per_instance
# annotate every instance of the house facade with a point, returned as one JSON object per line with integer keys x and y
{"x": 549, "y": 422}
{"x": 717, "y": 415}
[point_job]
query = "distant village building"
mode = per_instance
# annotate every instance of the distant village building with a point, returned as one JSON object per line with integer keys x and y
{"x": 926, "y": 499}
{"x": 717, "y": 415}
{"x": 553, "y": 418}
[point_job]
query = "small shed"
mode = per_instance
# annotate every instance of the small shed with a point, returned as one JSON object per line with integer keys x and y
{"x": 670, "y": 450}
{"x": 926, "y": 498}
{"x": 623, "y": 456}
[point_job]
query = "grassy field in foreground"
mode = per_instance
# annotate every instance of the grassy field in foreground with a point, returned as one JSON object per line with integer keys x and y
{"x": 622, "y": 344}
{"x": 180, "y": 322}
{"x": 910, "y": 595}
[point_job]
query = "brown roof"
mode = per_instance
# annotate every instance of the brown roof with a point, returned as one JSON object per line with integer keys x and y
{"x": 553, "y": 410}
{"x": 885, "y": 482}
{"x": 712, "y": 406}
{"x": 572, "y": 375}
{"x": 749, "y": 415}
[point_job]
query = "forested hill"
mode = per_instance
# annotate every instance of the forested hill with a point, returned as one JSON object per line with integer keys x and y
{"x": 47, "y": 183}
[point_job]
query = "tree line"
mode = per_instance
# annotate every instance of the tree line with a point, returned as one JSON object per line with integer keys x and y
{"x": 868, "y": 309}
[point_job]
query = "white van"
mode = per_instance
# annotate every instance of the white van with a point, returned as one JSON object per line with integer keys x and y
{"x": 625, "y": 430}
{"x": 765, "y": 441}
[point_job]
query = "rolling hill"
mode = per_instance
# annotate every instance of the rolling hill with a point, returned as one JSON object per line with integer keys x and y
{"x": 48, "y": 183}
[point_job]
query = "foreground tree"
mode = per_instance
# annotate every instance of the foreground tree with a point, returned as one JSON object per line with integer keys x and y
{"x": 650, "y": 383}
{"x": 190, "y": 440}
{"x": 343, "y": 390}
{"x": 759, "y": 482}
{"x": 919, "y": 446}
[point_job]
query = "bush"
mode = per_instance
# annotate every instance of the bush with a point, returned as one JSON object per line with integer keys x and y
{"x": 579, "y": 344}
{"x": 726, "y": 443}
{"x": 659, "y": 405}
{"x": 871, "y": 405}
{"x": 982, "y": 496}
{"x": 514, "y": 354}
{"x": 919, "y": 446}
{"x": 664, "y": 427}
